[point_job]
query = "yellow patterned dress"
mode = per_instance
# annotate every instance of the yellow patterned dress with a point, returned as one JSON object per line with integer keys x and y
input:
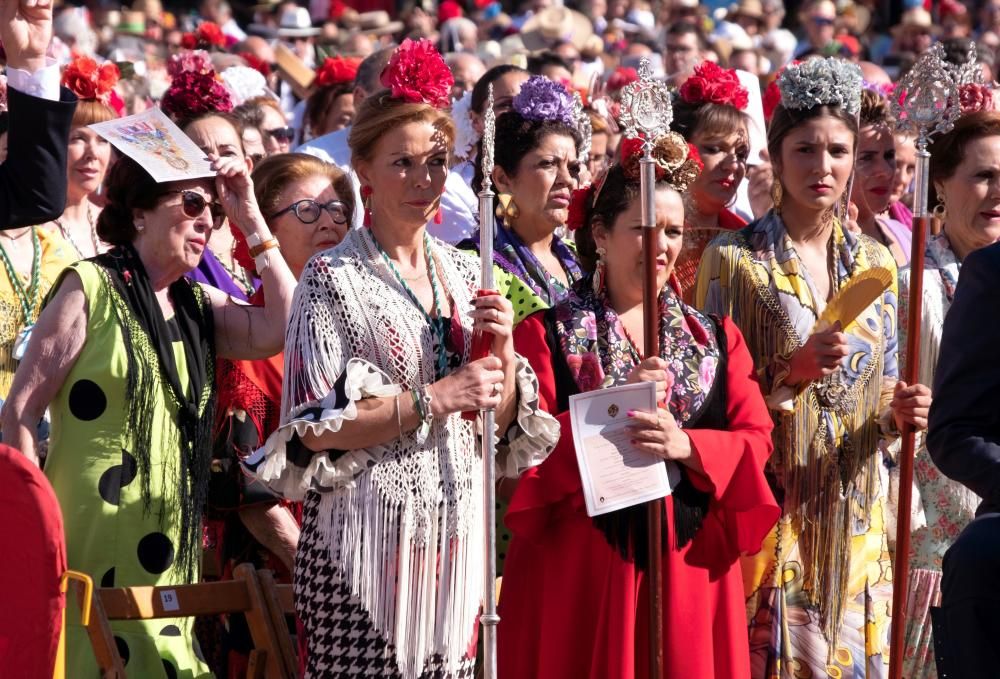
{"x": 54, "y": 255}
{"x": 819, "y": 594}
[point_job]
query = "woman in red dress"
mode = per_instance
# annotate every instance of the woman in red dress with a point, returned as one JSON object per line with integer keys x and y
{"x": 708, "y": 113}
{"x": 574, "y": 599}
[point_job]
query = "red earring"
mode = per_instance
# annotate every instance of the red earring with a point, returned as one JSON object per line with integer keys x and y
{"x": 438, "y": 217}
{"x": 366, "y": 197}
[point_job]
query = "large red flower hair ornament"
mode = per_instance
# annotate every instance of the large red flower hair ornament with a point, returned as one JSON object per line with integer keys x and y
{"x": 712, "y": 84}
{"x": 336, "y": 71}
{"x": 206, "y": 36}
{"x": 87, "y": 80}
{"x": 417, "y": 74}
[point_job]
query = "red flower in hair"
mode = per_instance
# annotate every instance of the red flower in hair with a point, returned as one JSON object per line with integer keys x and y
{"x": 417, "y": 73}
{"x": 191, "y": 94}
{"x": 336, "y": 70}
{"x": 974, "y": 97}
{"x": 206, "y": 36}
{"x": 256, "y": 63}
{"x": 622, "y": 76}
{"x": 87, "y": 80}
{"x": 770, "y": 99}
{"x": 712, "y": 84}
{"x": 578, "y": 206}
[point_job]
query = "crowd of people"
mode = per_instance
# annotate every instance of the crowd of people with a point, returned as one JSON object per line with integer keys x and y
{"x": 276, "y": 363}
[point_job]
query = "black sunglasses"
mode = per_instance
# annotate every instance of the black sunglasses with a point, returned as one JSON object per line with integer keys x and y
{"x": 281, "y": 133}
{"x": 308, "y": 211}
{"x": 193, "y": 204}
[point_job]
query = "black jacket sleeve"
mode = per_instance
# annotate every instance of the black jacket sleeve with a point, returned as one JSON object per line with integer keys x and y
{"x": 33, "y": 180}
{"x": 964, "y": 429}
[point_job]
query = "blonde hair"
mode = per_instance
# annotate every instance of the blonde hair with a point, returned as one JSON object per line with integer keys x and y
{"x": 90, "y": 111}
{"x": 381, "y": 113}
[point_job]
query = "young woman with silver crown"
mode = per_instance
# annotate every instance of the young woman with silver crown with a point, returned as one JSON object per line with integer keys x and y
{"x": 378, "y": 371}
{"x": 820, "y": 590}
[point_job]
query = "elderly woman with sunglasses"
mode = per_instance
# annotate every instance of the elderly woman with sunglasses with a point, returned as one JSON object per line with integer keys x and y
{"x": 123, "y": 355}
{"x": 307, "y": 204}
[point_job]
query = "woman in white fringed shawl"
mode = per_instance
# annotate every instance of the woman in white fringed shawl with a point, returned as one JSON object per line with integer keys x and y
{"x": 378, "y": 373}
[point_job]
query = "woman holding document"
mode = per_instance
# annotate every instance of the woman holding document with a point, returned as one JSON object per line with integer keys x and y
{"x": 573, "y": 582}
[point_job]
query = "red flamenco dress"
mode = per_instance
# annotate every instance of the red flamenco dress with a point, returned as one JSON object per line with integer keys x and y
{"x": 574, "y": 601}
{"x": 696, "y": 239}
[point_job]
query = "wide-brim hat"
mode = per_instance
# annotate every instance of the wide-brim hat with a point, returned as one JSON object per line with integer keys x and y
{"x": 752, "y": 9}
{"x": 296, "y": 23}
{"x": 554, "y": 25}
{"x": 916, "y": 17}
{"x": 377, "y": 23}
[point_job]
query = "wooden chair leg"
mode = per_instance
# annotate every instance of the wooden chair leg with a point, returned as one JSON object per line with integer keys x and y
{"x": 103, "y": 641}
{"x": 259, "y": 622}
{"x": 286, "y": 646}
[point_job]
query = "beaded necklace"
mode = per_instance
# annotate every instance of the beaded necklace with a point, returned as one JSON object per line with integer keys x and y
{"x": 438, "y": 322}
{"x": 28, "y": 298}
{"x": 93, "y": 233}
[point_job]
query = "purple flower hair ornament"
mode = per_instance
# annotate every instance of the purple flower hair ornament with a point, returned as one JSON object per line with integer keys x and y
{"x": 542, "y": 99}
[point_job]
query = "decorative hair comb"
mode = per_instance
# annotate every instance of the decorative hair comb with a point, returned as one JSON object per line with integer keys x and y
{"x": 821, "y": 82}
{"x": 417, "y": 74}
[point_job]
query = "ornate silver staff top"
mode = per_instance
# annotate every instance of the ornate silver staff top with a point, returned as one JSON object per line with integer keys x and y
{"x": 489, "y": 140}
{"x": 584, "y": 126}
{"x": 926, "y": 103}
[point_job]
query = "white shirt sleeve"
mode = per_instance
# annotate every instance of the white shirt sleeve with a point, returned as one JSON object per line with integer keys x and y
{"x": 43, "y": 83}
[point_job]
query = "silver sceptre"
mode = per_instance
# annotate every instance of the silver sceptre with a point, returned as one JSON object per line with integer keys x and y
{"x": 646, "y": 112}
{"x": 930, "y": 106}
{"x": 487, "y": 230}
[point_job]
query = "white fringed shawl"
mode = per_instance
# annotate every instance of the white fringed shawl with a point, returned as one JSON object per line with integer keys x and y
{"x": 404, "y": 522}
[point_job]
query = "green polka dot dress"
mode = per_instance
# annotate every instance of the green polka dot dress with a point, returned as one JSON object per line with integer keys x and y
{"x": 95, "y": 474}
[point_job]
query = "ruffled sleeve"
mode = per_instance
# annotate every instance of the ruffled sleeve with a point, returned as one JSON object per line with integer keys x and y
{"x": 534, "y": 432}
{"x": 734, "y": 459}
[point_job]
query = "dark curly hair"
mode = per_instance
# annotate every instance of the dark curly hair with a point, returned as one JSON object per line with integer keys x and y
{"x": 516, "y": 137}
{"x": 128, "y": 187}
{"x": 617, "y": 194}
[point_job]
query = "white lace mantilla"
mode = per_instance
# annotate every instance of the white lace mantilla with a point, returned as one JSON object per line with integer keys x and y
{"x": 405, "y": 522}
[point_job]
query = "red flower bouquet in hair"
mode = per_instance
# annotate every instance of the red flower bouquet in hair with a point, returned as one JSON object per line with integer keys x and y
{"x": 256, "y": 63}
{"x": 336, "y": 70}
{"x": 416, "y": 73}
{"x": 712, "y": 84}
{"x": 206, "y": 36}
{"x": 974, "y": 97}
{"x": 191, "y": 94}
{"x": 622, "y": 76}
{"x": 87, "y": 80}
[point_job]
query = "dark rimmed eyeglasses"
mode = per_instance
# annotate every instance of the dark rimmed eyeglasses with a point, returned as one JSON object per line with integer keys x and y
{"x": 193, "y": 204}
{"x": 281, "y": 134}
{"x": 308, "y": 211}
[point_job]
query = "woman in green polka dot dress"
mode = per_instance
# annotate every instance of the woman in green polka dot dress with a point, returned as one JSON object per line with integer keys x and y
{"x": 537, "y": 168}
{"x": 124, "y": 356}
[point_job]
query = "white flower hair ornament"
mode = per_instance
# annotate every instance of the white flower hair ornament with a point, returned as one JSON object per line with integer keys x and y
{"x": 245, "y": 83}
{"x": 466, "y": 136}
{"x": 821, "y": 82}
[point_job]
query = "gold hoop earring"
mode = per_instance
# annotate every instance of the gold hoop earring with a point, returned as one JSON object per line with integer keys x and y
{"x": 507, "y": 209}
{"x": 940, "y": 210}
{"x": 776, "y": 195}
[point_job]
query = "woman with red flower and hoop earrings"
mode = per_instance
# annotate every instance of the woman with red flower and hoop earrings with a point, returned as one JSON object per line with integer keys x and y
{"x": 330, "y": 106}
{"x": 708, "y": 112}
{"x": 88, "y": 155}
{"x": 378, "y": 371}
{"x": 573, "y": 602}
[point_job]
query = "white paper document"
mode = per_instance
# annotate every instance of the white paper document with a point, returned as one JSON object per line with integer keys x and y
{"x": 151, "y": 139}
{"x": 615, "y": 474}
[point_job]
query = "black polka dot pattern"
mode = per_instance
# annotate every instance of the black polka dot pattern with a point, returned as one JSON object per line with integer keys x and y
{"x": 169, "y": 669}
{"x": 155, "y": 552}
{"x": 108, "y": 579}
{"x": 170, "y": 631}
{"x": 87, "y": 401}
{"x": 117, "y": 477}
{"x": 123, "y": 649}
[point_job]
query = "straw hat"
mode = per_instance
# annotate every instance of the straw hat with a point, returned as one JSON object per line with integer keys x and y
{"x": 377, "y": 23}
{"x": 752, "y": 9}
{"x": 915, "y": 17}
{"x": 296, "y": 23}
{"x": 556, "y": 24}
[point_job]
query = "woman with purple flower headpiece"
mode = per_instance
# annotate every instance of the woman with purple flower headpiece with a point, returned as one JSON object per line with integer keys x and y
{"x": 537, "y": 170}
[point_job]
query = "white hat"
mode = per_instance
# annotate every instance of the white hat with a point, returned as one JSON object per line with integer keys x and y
{"x": 296, "y": 23}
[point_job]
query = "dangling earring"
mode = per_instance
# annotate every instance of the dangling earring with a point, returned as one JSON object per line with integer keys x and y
{"x": 599, "y": 271}
{"x": 776, "y": 195}
{"x": 507, "y": 209}
{"x": 139, "y": 226}
{"x": 940, "y": 210}
{"x": 438, "y": 218}
{"x": 366, "y": 197}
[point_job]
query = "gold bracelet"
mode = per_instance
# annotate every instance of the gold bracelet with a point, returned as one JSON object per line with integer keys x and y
{"x": 257, "y": 250}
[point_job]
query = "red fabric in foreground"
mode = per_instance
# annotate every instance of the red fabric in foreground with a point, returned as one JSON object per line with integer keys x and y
{"x": 34, "y": 559}
{"x": 572, "y": 607}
